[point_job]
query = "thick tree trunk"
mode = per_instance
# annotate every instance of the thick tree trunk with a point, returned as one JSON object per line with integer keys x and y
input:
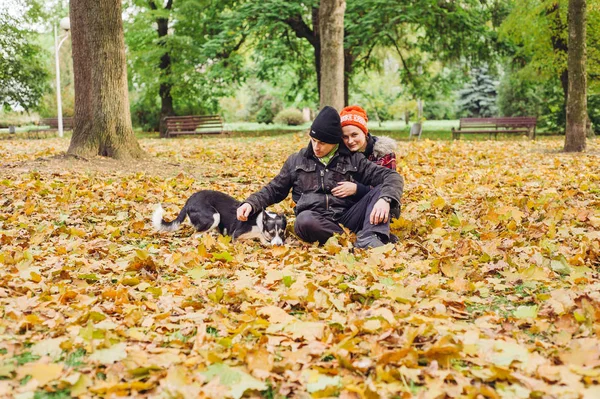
{"x": 331, "y": 28}
{"x": 166, "y": 100}
{"x": 577, "y": 99}
{"x": 102, "y": 118}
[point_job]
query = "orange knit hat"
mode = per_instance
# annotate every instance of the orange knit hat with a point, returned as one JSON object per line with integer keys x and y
{"x": 355, "y": 115}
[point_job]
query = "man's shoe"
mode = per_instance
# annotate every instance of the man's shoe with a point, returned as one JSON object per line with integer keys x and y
{"x": 368, "y": 241}
{"x": 393, "y": 238}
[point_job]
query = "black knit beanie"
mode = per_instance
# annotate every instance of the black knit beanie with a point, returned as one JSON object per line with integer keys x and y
{"x": 327, "y": 126}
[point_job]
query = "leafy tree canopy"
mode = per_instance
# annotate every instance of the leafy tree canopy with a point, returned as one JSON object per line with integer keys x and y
{"x": 23, "y": 77}
{"x": 282, "y": 32}
{"x": 199, "y": 73}
{"x": 535, "y": 45}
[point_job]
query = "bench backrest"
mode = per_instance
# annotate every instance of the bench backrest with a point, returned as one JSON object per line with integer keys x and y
{"x": 194, "y": 123}
{"x": 53, "y": 123}
{"x": 516, "y": 121}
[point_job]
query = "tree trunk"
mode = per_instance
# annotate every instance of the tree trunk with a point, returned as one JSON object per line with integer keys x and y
{"x": 166, "y": 100}
{"x": 102, "y": 117}
{"x": 577, "y": 99}
{"x": 348, "y": 62}
{"x": 314, "y": 38}
{"x": 317, "y": 47}
{"x": 564, "y": 82}
{"x": 559, "y": 45}
{"x": 331, "y": 29}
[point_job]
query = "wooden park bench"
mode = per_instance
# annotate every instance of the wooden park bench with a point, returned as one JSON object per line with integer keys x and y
{"x": 53, "y": 123}
{"x": 195, "y": 124}
{"x": 50, "y": 126}
{"x": 509, "y": 125}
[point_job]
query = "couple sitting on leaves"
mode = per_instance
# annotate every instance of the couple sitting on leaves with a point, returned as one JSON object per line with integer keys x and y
{"x": 344, "y": 176}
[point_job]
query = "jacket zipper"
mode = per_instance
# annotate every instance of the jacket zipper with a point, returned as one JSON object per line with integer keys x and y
{"x": 323, "y": 188}
{"x": 323, "y": 182}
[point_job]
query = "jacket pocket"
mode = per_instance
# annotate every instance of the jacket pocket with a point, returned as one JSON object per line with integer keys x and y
{"x": 307, "y": 178}
{"x": 340, "y": 173}
{"x": 311, "y": 202}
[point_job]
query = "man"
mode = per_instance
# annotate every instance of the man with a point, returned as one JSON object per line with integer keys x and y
{"x": 313, "y": 172}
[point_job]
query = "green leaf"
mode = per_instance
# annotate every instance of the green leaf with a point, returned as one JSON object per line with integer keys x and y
{"x": 560, "y": 266}
{"x": 526, "y": 312}
{"x": 454, "y": 220}
{"x": 197, "y": 273}
{"x": 224, "y": 256}
{"x": 287, "y": 281}
{"x": 317, "y": 382}
{"x": 111, "y": 355}
{"x": 236, "y": 380}
{"x": 90, "y": 277}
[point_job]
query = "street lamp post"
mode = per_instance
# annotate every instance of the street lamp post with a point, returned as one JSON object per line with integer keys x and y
{"x": 66, "y": 26}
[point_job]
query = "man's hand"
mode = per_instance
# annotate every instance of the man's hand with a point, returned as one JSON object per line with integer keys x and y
{"x": 344, "y": 189}
{"x": 381, "y": 212}
{"x": 244, "y": 211}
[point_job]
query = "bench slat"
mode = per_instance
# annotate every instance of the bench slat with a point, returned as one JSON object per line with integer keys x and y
{"x": 496, "y": 131}
{"x": 195, "y": 132}
{"x": 175, "y": 124}
{"x": 518, "y": 124}
{"x": 193, "y": 124}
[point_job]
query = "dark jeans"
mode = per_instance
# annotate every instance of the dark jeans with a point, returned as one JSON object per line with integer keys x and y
{"x": 312, "y": 226}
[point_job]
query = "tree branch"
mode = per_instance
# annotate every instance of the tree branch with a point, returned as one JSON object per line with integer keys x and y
{"x": 400, "y": 54}
{"x": 227, "y": 53}
{"x": 301, "y": 29}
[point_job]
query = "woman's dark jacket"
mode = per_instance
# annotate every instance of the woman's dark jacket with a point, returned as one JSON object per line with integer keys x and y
{"x": 311, "y": 182}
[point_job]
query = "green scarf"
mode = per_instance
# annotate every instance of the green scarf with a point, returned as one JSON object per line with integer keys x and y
{"x": 325, "y": 160}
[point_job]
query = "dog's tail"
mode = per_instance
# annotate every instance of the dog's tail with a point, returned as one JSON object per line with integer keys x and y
{"x": 160, "y": 225}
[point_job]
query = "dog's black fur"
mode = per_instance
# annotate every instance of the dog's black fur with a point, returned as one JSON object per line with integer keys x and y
{"x": 209, "y": 209}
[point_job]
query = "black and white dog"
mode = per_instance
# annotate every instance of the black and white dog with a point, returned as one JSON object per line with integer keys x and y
{"x": 208, "y": 209}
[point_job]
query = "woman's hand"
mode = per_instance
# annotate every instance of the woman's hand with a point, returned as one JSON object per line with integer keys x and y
{"x": 381, "y": 212}
{"x": 244, "y": 211}
{"x": 344, "y": 189}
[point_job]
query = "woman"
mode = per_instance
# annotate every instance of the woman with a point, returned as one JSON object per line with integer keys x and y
{"x": 356, "y": 137}
{"x": 380, "y": 150}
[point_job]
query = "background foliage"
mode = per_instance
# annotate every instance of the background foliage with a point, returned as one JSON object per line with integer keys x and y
{"x": 249, "y": 60}
{"x": 23, "y": 76}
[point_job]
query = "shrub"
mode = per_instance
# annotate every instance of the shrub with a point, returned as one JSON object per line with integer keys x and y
{"x": 478, "y": 97}
{"x": 518, "y": 97}
{"x": 594, "y": 111}
{"x": 265, "y": 114}
{"x": 439, "y": 110}
{"x": 290, "y": 117}
{"x": 145, "y": 113}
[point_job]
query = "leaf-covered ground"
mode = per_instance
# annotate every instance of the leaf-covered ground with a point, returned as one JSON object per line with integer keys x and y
{"x": 492, "y": 291}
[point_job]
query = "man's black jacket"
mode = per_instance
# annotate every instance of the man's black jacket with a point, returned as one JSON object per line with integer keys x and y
{"x": 311, "y": 182}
